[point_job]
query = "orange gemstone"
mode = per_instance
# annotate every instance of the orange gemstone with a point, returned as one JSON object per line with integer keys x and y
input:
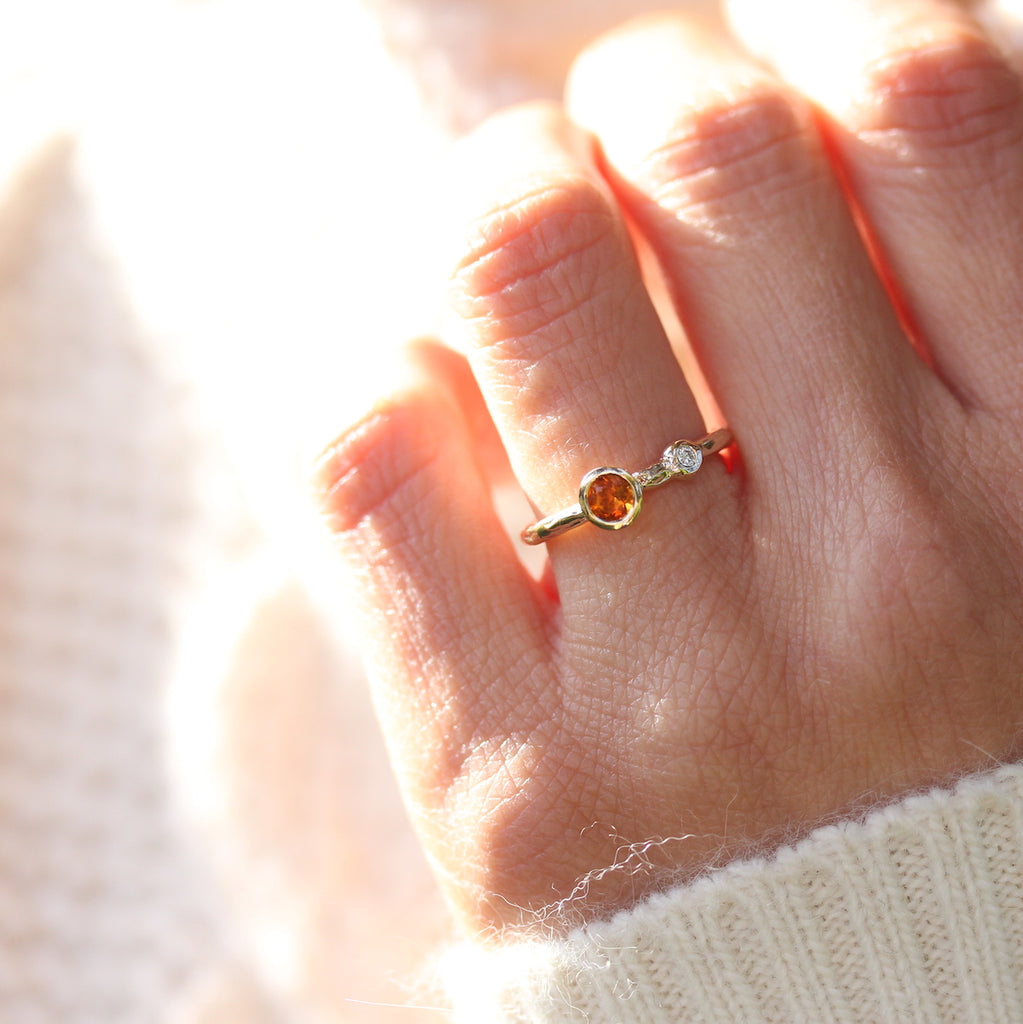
{"x": 610, "y": 497}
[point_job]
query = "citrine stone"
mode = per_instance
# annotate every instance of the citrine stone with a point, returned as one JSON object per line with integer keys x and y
{"x": 610, "y": 497}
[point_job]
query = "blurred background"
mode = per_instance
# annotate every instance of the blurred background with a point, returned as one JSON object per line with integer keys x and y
{"x": 218, "y": 220}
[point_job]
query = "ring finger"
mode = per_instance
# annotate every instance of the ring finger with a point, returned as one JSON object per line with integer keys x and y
{"x": 562, "y": 334}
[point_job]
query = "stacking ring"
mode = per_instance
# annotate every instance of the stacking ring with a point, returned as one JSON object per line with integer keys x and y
{"x": 611, "y": 498}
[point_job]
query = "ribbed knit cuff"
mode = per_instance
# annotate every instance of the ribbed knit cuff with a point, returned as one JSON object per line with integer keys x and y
{"x": 914, "y": 914}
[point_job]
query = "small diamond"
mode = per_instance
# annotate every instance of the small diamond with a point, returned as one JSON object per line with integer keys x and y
{"x": 684, "y": 458}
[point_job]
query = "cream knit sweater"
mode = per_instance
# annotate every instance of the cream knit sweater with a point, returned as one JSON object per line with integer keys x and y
{"x": 914, "y": 914}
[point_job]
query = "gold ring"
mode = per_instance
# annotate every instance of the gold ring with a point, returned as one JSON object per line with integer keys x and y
{"x": 611, "y": 498}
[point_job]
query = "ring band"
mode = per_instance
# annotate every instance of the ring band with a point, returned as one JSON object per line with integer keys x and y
{"x": 611, "y": 498}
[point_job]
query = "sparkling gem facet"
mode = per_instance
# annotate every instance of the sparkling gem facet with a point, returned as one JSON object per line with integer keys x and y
{"x": 685, "y": 458}
{"x": 610, "y": 497}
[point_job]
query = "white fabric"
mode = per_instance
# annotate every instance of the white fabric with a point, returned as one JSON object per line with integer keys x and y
{"x": 913, "y": 915}
{"x": 179, "y": 251}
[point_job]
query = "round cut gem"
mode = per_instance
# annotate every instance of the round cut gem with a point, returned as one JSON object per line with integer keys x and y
{"x": 684, "y": 458}
{"x": 611, "y": 498}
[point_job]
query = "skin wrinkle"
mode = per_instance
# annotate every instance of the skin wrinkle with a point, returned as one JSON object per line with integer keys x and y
{"x": 512, "y": 221}
{"x": 525, "y": 841}
{"x": 546, "y": 390}
{"x": 996, "y": 334}
{"x": 535, "y": 689}
{"x": 724, "y": 709}
{"x": 512, "y": 318}
{"x": 343, "y": 466}
{"x": 870, "y": 387}
{"x": 899, "y": 516}
{"x": 507, "y": 764}
{"x": 909, "y": 582}
{"x": 707, "y": 696}
{"x": 992, "y": 492}
{"x": 722, "y": 255}
{"x": 750, "y": 154}
{"x": 937, "y": 100}
{"x": 554, "y": 231}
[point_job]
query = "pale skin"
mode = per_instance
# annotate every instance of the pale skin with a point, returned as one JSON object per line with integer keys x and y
{"x": 833, "y": 620}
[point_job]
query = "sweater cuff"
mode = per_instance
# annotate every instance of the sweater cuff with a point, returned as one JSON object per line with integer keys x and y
{"x": 913, "y": 914}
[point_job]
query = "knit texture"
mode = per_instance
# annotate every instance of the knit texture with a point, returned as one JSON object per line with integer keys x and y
{"x": 913, "y": 915}
{"x": 102, "y": 918}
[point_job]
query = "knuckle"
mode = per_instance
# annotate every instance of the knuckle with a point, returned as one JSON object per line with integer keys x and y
{"x": 536, "y": 259}
{"x": 371, "y": 473}
{"x": 729, "y": 155}
{"x": 942, "y": 97}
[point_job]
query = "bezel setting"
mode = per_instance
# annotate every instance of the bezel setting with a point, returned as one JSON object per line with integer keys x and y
{"x": 634, "y": 504}
{"x": 683, "y": 458}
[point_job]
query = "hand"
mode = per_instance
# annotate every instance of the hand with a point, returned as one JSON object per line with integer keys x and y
{"x": 835, "y": 621}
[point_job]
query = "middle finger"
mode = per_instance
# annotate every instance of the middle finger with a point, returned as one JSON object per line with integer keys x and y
{"x": 723, "y": 170}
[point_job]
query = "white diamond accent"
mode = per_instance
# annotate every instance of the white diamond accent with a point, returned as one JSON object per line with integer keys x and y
{"x": 684, "y": 458}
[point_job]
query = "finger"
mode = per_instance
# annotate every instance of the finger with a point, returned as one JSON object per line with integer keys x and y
{"x": 722, "y": 168}
{"x": 926, "y": 118}
{"x": 447, "y": 606}
{"x": 451, "y": 371}
{"x": 562, "y": 335}
{"x": 268, "y": 740}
